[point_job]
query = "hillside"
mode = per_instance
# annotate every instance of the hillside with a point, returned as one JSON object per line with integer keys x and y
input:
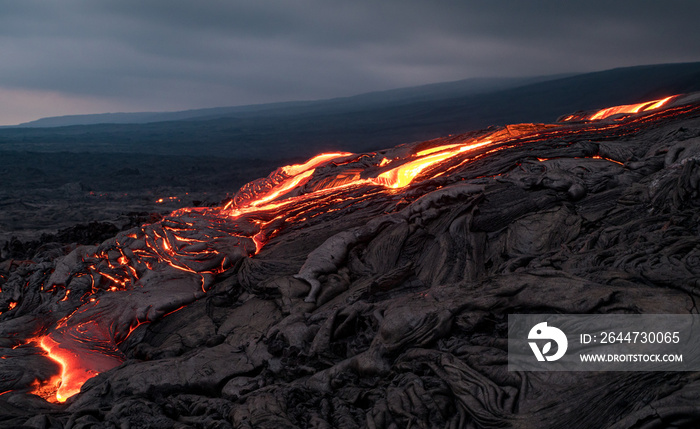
{"x": 362, "y": 123}
{"x": 374, "y": 289}
{"x": 431, "y": 92}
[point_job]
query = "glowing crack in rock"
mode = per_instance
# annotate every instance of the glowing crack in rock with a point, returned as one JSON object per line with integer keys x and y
{"x": 148, "y": 272}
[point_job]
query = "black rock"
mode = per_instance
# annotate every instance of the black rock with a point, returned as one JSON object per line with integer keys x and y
{"x": 380, "y": 307}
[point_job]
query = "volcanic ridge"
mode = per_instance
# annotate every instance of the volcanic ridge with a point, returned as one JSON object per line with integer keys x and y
{"x": 372, "y": 290}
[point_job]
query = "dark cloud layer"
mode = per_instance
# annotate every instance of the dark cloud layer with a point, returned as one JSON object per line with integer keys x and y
{"x": 174, "y": 54}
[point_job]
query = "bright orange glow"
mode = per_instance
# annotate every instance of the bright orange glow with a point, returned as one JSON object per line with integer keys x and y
{"x": 295, "y": 174}
{"x": 72, "y": 377}
{"x": 79, "y": 361}
{"x": 607, "y": 159}
{"x": 629, "y": 108}
{"x": 47, "y": 389}
{"x": 162, "y": 200}
{"x": 659, "y": 103}
{"x": 200, "y": 242}
{"x": 12, "y": 305}
{"x": 258, "y": 240}
{"x": 284, "y": 188}
{"x": 436, "y": 149}
{"x": 403, "y": 175}
{"x": 83, "y": 348}
{"x": 314, "y": 162}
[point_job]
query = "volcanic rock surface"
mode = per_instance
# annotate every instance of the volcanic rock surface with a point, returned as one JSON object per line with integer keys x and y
{"x": 373, "y": 290}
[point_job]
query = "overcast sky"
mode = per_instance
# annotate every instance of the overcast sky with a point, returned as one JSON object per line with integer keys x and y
{"x": 92, "y": 56}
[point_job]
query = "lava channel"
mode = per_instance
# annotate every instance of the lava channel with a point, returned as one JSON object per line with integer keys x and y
{"x": 148, "y": 272}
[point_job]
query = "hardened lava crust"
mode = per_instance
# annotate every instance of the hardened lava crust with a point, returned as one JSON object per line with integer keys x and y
{"x": 373, "y": 290}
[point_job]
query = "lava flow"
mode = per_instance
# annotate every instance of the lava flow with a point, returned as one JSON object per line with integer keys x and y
{"x": 103, "y": 293}
{"x": 625, "y": 109}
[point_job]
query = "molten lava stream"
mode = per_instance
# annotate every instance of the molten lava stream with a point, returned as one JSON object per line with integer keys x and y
{"x": 83, "y": 348}
{"x": 626, "y": 109}
{"x": 199, "y": 242}
{"x": 84, "y": 344}
{"x": 294, "y": 175}
{"x": 403, "y": 175}
{"x": 72, "y": 376}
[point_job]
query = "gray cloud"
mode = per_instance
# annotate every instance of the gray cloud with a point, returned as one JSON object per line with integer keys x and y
{"x": 176, "y": 54}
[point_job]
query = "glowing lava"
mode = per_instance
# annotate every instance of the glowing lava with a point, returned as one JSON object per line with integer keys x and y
{"x": 148, "y": 272}
{"x": 78, "y": 364}
{"x": 403, "y": 175}
{"x": 48, "y": 389}
{"x": 623, "y": 109}
{"x": 72, "y": 377}
{"x": 293, "y": 176}
{"x": 85, "y": 343}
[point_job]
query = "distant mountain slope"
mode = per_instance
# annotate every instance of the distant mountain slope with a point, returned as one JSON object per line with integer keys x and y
{"x": 362, "y": 123}
{"x": 435, "y": 91}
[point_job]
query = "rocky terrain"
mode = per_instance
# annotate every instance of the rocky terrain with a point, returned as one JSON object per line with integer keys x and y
{"x": 373, "y": 290}
{"x": 41, "y": 193}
